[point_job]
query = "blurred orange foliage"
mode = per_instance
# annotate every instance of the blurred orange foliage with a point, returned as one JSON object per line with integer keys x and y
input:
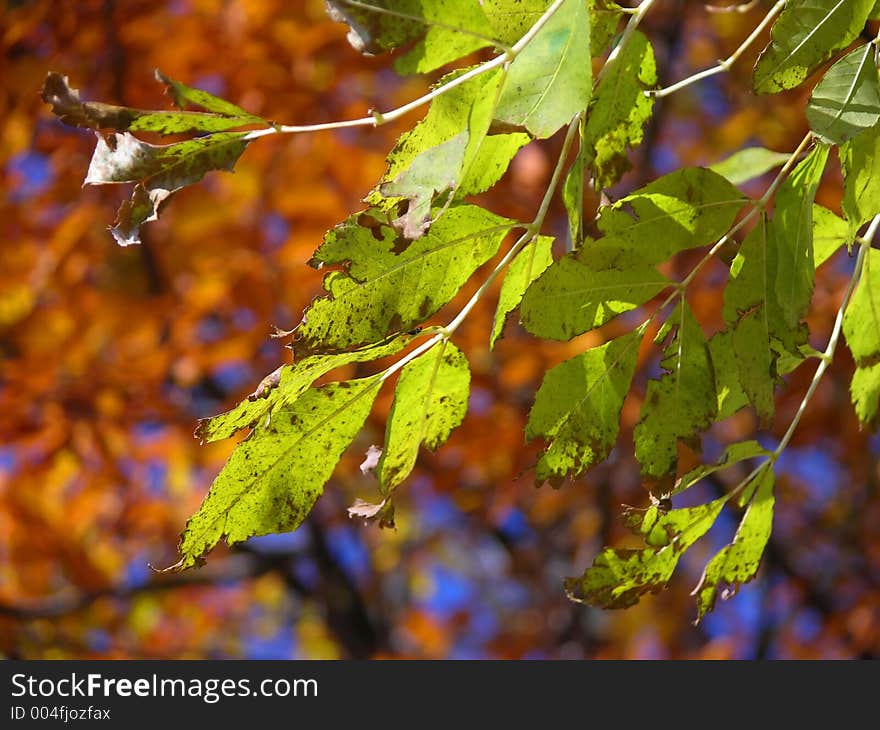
{"x": 110, "y": 355}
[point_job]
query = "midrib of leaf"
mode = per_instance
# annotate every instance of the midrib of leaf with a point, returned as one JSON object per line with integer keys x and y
{"x": 807, "y": 38}
{"x": 670, "y": 213}
{"x": 680, "y": 354}
{"x": 186, "y": 156}
{"x": 600, "y": 380}
{"x": 244, "y": 488}
{"x": 553, "y": 76}
{"x": 574, "y": 292}
{"x": 806, "y": 205}
{"x": 425, "y": 254}
{"x": 855, "y": 82}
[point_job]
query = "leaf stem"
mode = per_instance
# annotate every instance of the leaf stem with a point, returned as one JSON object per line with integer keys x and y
{"x": 724, "y": 65}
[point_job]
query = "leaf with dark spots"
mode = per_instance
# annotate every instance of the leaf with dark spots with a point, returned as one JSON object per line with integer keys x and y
{"x": 273, "y": 479}
{"x": 619, "y": 578}
{"x": 577, "y": 408}
{"x": 70, "y": 109}
{"x": 293, "y": 381}
{"x": 183, "y": 96}
{"x": 380, "y": 291}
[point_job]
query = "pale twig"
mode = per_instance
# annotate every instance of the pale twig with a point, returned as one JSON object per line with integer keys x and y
{"x": 724, "y": 65}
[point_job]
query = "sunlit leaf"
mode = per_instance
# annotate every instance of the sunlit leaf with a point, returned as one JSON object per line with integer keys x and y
{"x": 430, "y": 401}
{"x": 847, "y": 100}
{"x": 273, "y": 479}
{"x": 682, "y": 402}
{"x": 528, "y": 265}
{"x": 748, "y": 164}
{"x": 577, "y": 408}
{"x": 738, "y": 562}
{"x": 551, "y": 79}
{"x": 804, "y": 36}
{"x": 390, "y": 284}
{"x": 619, "y": 578}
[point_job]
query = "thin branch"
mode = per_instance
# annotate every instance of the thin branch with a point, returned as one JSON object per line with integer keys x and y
{"x": 723, "y": 66}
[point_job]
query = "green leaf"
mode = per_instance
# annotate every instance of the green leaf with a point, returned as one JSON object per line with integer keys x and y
{"x": 682, "y": 402}
{"x": 861, "y": 321}
{"x": 792, "y": 233}
{"x": 875, "y": 11}
{"x": 443, "y": 30}
{"x": 527, "y": 266}
{"x": 748, "y": 164}
{"x": 457, "y": 121}
{"x": 729, "y": 392}
{"x": 620, "y": 110}
{"x": 283, "y": 386}
{"x": 830, "y": 232}
{"x": 738, "y": 562}
{"x": 273, "y": 479}
{"x": 390, "y": 285}
{"x": 572, "y": 296}
{"x": 755, "y": 362}
{"x": 573, "y": 192}
{"x": 67, "y": 105}
{"x": 605, "y": 16}
{"x": 512, "y": 19}
{"x": 183, "y": 95}
{"x": 577, "y": 408}
{"x": 865, "y": 392}
{"x": 455, "y": 29}
{"x": 733, "y": 454}
{"x": 459, "y": 165}
{"x": 860, "y": 160}
{"x": 861, "y": 326}
{"x": 551, "y": 79}
{"x": 685, "y": 209}
{"x": 430, "y": 401}
{"x": 619, "y": 578}
{"x": 847, "y": 100}
{"x": 159, "y": 171}
{"x": 806, "y": 34}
